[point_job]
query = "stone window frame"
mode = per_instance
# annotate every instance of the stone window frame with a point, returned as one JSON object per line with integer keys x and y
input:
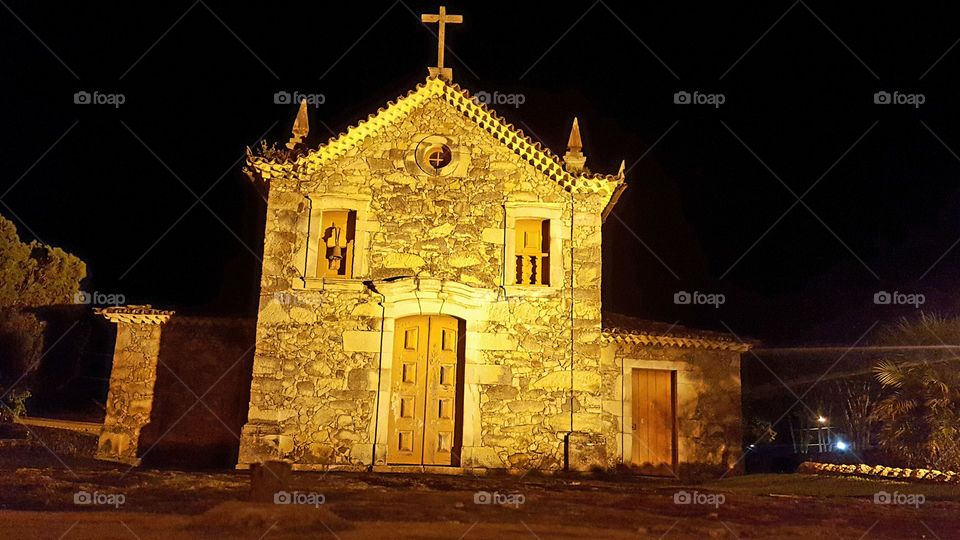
{"x": 306, "y": 256}
{"x": 517, "y": 210}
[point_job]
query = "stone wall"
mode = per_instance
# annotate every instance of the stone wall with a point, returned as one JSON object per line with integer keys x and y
{"x": 130, "y": 400}
{"x": 314, "y": 393}
{"x": 202, "y": 391}
{"x": 178, "y": 389}
{"x": 708, "y": 405}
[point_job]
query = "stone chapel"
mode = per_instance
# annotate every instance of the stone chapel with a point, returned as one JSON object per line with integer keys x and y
{"x": 431, "y": 300}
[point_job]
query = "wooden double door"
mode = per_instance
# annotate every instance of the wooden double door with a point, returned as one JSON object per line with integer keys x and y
{"x": 654, "y": 421}
{"x": 427, "y": 391}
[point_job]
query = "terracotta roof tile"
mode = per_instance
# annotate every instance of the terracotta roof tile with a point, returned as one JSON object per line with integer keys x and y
{"x": 625, "y": 329}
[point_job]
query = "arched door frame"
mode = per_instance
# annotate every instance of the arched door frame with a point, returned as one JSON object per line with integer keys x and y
{"x": 414, "y": 296}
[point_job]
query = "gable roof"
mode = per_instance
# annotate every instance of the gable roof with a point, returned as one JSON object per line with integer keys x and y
{"x": 510, "y": 136}
{"x": 624, "y": 329}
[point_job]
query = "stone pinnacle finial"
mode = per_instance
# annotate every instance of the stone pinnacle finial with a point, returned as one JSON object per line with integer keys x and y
{"x": 623, "y": 168}
{"x": 574, "y": 160}
{"x": 301, "y": 126}
{"x": 574, "y": 143}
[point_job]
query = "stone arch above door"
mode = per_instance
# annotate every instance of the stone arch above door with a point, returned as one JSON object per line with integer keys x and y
{"x": 416, "y": 296}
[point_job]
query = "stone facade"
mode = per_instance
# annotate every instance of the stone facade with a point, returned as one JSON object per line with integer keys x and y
{"x": 539, "y": 379}
{"x": 317, "y": 366}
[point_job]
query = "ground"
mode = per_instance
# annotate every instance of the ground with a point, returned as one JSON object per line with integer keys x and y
{"x": 37, "y": 502}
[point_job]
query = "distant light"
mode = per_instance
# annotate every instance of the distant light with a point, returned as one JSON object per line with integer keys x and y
{"x": 842, "y": 445}
{"x": 753, "y": 446}
{"x": 822, "y": 419}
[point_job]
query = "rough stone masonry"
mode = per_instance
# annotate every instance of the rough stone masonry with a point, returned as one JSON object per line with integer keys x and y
{"x": 544, "y": 384}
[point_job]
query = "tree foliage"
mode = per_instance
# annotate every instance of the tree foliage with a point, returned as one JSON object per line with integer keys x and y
{"x": 35, "y": 274}
{"x": 31, "y": 275}
{"x": 920, "y": 408}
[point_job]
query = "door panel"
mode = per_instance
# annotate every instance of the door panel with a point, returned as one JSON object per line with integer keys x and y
{"x": 426, "y": 381}
{"x": 409, "y": 368}
{"x": 653, "y": 421}
{"x": 440, "y": 417}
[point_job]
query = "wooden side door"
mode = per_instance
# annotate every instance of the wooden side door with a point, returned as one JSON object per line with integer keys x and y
{"x": 654, "y": 421}
{"x": 411, "y": 335}
{"x": 440, "y": 430}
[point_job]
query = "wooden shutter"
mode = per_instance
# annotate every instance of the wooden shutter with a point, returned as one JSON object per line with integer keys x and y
{"x": 533, "y": 251}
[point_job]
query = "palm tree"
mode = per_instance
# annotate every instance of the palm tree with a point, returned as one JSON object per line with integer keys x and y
{"x": 856, "y": 416}
{"x": 920, "y": 408}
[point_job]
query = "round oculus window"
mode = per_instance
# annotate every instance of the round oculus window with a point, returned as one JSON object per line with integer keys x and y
{"x": 434, "y": 156}
{"x": 437, "y": 157}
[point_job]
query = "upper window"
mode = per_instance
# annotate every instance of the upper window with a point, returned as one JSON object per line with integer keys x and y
{"x": 532, "y": 251}
{"x": 337, "y": 232}
{"x": 438, "y": 157}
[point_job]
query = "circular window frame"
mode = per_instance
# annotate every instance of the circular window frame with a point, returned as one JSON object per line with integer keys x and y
{"x": 429, "y": 147}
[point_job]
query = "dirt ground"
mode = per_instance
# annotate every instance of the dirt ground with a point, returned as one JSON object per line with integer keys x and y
{"x": 38, "y": 502}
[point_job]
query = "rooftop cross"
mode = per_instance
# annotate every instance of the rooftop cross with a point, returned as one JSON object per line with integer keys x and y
{"x": 442, "y": 18}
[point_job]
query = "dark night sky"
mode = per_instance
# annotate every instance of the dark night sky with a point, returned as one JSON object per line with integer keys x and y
{"x": 199, "y": 92}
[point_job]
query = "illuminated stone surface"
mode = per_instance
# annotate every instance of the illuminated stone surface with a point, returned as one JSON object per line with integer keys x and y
{"x": 435, "y": 244}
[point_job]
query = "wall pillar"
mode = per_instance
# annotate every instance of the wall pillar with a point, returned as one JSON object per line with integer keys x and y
{"x": 132, "y": 380}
